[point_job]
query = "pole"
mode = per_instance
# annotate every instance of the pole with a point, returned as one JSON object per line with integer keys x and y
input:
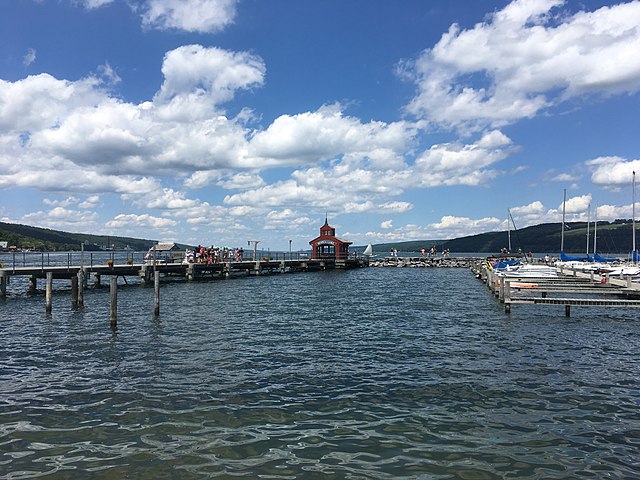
{"x": 81, "y": 281}
{"x": 74, "y": 291}
{"x": 564, "y": 201}
{"x": 48, "y": 292}
{"x": 156, "y": 294}
{"x": 290, "y": 250}
{"x": 113, "y": 306}
{"x": 595, "y": 231}
{"x": 588, "y": 221}
{"x": 509, "y": 229}
{"x": 633, "y": 208}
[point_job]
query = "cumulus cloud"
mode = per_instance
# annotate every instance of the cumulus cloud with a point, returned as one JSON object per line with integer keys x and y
{"x": 524, "y": 58}
{"x": 613, "y": 171}
{"x": 451, "y": 226}
{"x": 73, "y": 127}
{"x": 62, "y": 217}
{"x": 326, "y": 133}
{"x": 203, "y": 16}
{"x": 387, "y": 224}
{"x": 355, "y": 186}
{"x": 132, "y": 221}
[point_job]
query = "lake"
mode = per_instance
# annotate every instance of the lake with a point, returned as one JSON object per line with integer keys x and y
{"x": 369, "y": 373}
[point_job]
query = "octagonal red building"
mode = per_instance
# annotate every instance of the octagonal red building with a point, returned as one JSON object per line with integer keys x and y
{"x": 327, "y": 245}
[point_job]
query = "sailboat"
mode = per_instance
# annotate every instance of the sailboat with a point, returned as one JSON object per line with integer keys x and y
{"x": 571, "y": 260}
{"x": 368, "y": 251}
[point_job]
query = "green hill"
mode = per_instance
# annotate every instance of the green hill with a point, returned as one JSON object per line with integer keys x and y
{"x": 44, "y": 239}
{"x": 613, "y": 237}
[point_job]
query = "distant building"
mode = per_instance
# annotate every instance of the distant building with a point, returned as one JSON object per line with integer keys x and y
{"x": 327, "y": 245}
{"x": 4, "y": 245}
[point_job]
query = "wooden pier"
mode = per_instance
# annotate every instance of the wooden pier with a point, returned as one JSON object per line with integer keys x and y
{"x": 150, "y": 274}
{"x": 570, "y": 288}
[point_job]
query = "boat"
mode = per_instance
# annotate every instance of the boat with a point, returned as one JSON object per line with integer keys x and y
{"x": 368, "y": 251}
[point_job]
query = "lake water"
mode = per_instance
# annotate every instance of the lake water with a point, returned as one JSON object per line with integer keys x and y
{"x": 370, "y": 373}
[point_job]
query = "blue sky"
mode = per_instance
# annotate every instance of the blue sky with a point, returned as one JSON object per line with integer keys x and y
{"x": 222, "y": 121}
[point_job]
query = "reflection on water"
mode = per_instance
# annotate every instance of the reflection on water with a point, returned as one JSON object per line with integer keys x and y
{"x": 373, "y": 373}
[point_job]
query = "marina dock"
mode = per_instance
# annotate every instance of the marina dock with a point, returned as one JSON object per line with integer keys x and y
{"x": 571, "y": 288}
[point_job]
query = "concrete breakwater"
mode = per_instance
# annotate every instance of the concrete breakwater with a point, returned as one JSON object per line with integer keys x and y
{"x": 425, "y": 262}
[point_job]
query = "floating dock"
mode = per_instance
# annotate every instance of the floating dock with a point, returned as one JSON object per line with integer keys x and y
{"x": 570, "y": 288}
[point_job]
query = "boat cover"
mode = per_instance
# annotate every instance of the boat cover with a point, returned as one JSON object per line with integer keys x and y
{"x": 567, "y": 258}
{"x": 600, "y": 259}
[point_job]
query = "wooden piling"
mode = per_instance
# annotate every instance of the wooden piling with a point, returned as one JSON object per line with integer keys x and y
{"x": 74, "y": 291}
{"x": 81, "y": 285}
{"x": 96, "y": 280}
{"x": 3, "y": 285}
{"x": 567, "y": 310}
{"x": 113, "y": 307}
{"x": 48, "y": 292}
{"x": 156, "y": 294}
{"x": 33, "y": 283}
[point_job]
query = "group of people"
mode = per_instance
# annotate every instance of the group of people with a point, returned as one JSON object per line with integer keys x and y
{"x": 213, "y": 254}
{"x": 433, "y": 251}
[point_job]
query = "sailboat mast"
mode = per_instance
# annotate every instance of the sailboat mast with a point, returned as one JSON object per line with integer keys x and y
{"x": 595, "y": 231}
{"x": 588, "y": 221}
{"x": 633, "y": 209}
{"x": 564, "y": 201}
{"x": 509, "y": 227}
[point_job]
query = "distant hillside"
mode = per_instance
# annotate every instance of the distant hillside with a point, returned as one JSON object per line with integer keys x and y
{"x": 613, "y": 237}
{"x": 24, "y": 236}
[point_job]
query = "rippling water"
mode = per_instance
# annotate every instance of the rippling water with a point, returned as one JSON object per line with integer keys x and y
{"x": 372, "y": 373}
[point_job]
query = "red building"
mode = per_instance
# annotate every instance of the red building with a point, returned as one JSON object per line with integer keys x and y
{"x": 327, "y": 245}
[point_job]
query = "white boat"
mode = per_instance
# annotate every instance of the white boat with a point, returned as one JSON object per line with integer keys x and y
{"x": 368, "y": 251}
{"x": 528, "y": 271}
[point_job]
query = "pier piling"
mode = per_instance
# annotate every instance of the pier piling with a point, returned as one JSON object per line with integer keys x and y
{"x": 3, "y": 285}
{"x": 113, "y": 307}
{"x": 74, "y": 291}
{"x": 48, "y": 292}
{"x": 156, "y": 294}
{"x": 81, "y": 285}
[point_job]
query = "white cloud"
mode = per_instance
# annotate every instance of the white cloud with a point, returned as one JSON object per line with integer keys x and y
{"x": 312, "y": 137}
{"x": 131, "y": 221}
{"x": 195, "y": 74}
{"x": 613, "y": 171}
{"x": 109, "y": 74}
{"x": 61, "y": 217}
{"x": 523, "y": 59}
{"x": 61, "y": 203}
{"x": 355, "y": 186}
{"x": 189, "y": 15}
{"x": 534, "y": 208}
{"x": 396, "y": 207}
{"x": 578, "y": 204}
{"x": 451, "y": 226}
{"x": 241, "y": 181}
{"x": 29, "y": 57}
{"x": 387, "y": 224}
{"x": 93, "y": 4}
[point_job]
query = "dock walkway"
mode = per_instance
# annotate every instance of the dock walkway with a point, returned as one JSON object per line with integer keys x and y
{"x": 190, "y": 271}
{"x": 570, "y": 288}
